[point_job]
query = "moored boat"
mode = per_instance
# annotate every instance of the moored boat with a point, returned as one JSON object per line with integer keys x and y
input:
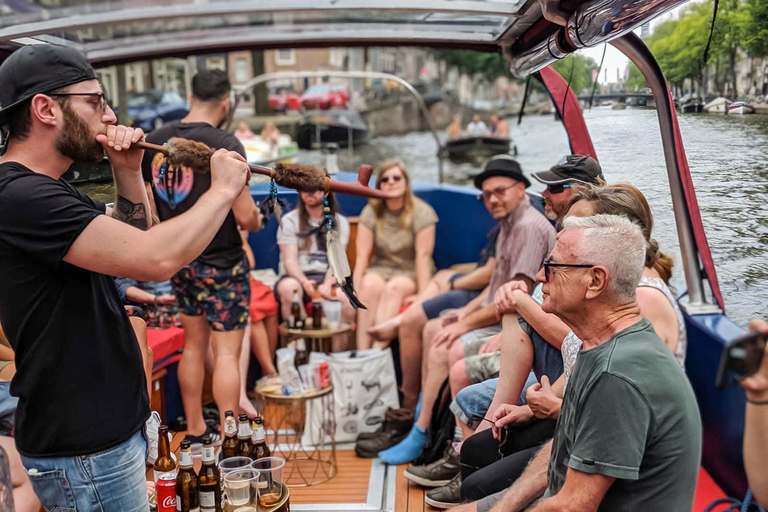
{"x": 740, "y": 107}
{"x": 473, "y": 149}
{"x": 339, "y": 126}
{"x": 717, "y": 106}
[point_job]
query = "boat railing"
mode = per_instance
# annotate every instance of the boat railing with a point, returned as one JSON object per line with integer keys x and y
{"x": 282, "y": 75}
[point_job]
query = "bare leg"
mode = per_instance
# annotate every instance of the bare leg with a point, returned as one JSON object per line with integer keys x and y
{"x": 371, "y": 289}
{"x": 24, "y": 497}
{"x": 270, "y": 326}
{"x": 285, "y": 289}
{"x": 9, "y": 371}
{"x": 261, "y": 347}
{"x": 409, "y": 334}
{"x": 516, "y": 363}
{"x": 226, "y": 370}
{"x": 340, "y": 342}
{"x": 191, "y": 371}
{"x": 245, "y": 358}
{"x": 147, "y": 354}
{"x": 438, "y": 371}
{"x": 395, "y": 292}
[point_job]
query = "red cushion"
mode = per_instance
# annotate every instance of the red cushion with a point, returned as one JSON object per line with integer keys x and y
{"x": 165, "y": 342}
{"x": 707, "y": 491}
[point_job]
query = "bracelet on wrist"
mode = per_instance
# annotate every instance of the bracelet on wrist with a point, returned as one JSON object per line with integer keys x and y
{"x": 757, "y": 402}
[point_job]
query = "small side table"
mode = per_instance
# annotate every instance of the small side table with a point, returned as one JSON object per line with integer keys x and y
{"x": 319, "y": 339}
{"x": 304, "y": 465}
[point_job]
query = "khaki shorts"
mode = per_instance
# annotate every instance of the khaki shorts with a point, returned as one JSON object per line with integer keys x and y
{"x": 481, "y": 367}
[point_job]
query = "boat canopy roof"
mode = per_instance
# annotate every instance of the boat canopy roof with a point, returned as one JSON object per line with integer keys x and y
{"x": 123, "y": 31}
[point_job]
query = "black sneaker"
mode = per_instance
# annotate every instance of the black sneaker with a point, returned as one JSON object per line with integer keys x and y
{"x": 438, "y": 473}
{"x": 196, "y": 442}
{"x": 448, "y": 496}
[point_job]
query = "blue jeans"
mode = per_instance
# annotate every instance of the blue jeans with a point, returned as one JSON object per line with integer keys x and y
{"x": 108, "y": 481}
{"x": 471, "y": 403}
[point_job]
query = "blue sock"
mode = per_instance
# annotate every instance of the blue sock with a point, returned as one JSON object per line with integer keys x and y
{"x": 407, "y": 450}
{"x": 418, "y": 408}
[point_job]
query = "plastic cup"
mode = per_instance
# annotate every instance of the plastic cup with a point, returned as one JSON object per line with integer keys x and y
{"x": 332, "y": 312}
{"x": 241, "y": 488}
{"x": 234, "y": 464}
{"x": 270, "y": 481}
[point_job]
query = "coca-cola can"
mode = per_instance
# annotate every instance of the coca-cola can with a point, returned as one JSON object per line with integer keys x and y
{"x": 166, "y": 494}
{"x": 323, "y": 375}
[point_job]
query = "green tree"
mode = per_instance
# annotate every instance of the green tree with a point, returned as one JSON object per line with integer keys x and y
{"x": 582, "y": 67}
{"x": 491, "y": 65}
{"x": 756, "y": 30}
{"x": 636, "y": 79}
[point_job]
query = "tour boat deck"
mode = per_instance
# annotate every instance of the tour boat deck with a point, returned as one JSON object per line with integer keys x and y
{"x": 360, "y": 484}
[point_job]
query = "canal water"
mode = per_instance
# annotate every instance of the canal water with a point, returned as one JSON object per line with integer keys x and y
{"x": 728, "y": 157}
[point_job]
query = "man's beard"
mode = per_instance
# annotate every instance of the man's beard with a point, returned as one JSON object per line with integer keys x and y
{"x": 76, "y": 141}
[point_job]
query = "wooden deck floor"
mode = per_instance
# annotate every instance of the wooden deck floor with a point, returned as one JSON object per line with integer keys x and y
{"x": 350, "y": 488}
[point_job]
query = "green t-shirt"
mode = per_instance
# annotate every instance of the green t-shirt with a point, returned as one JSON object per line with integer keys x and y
{"x": 629, "y": 412}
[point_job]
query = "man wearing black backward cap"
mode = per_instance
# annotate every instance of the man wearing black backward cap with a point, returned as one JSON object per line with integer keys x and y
{"x": 82, "y": 394}
{"x": 570, "y": 174}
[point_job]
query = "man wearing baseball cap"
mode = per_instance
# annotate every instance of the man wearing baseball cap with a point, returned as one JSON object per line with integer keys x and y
{"x": 82, "y": 394}
{"x": 571, "y": 173}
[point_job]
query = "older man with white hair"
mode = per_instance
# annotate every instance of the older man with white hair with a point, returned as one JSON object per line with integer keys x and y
{"x": 629, "y": 434}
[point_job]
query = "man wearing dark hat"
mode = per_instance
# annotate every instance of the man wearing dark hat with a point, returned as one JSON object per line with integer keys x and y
{"x": 570, "y": 174}
{"x": 82, "y": 394}
{"x": 525, "y": 239}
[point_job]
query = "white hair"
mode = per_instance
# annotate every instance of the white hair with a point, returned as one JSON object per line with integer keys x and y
{"x": 614, "y": 242}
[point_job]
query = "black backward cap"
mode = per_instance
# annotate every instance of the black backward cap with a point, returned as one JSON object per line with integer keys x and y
{"x": 502, "y": 166}
{"x": 39, "y": 69}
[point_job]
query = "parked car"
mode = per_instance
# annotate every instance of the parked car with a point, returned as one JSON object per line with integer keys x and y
{"x": 324, "y": 96}
{"x": 283, "y": 100}
{"x": 150, "y": 110}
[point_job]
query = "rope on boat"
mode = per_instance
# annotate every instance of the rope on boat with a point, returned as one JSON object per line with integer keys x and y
{"x": 711, "y": 33}
{"x": 748, "y": 505}
{"x": 567, "y": 88}
{"x": 525, "y": 100}
{"x": 597, "y": 78}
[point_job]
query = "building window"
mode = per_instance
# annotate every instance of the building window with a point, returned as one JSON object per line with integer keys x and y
{"x": 285, "y": 57}
{"x": 216, "y": 63}
{"x": 242, "y": 71}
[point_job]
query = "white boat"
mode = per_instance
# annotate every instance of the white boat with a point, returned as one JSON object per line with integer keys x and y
{"x": 740, "y": 107}
{"x": 260, "y": 152}
{"x": 717, "y": 105}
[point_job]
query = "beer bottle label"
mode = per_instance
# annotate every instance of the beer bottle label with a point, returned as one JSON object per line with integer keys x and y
{"x": 258, "y": 434}
{"x": 301, "y": 345}
{"x": 178, "y": 503}
{"x": 208, "y": 454}
{"x": 185, "y": 460}
{"x": 244, "y": 430}
{"x": 229, "y": 427}
{"x": 207, "y": 501}
{"x": 292, "y": 322}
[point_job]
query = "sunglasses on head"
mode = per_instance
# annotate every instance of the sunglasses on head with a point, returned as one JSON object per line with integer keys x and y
{"x": 394, "y": 178}
{"x": 557, "y": 189}
{"x": 547, "y": 264}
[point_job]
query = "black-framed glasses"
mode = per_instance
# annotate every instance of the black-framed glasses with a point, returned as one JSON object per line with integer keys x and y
{"x": 498, "y": 192}
{"x": 547, "y": 264}
{"x": 558, "y": 189}
{"x": 101, "y": 95}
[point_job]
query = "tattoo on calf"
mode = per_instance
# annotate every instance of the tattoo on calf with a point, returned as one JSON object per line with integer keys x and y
{"x": 131, "y": 213}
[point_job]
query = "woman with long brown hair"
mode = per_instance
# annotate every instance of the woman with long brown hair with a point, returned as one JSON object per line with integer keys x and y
{"x": 395, "y": 242}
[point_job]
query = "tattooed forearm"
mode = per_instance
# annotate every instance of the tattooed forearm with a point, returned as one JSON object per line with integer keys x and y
{"x": 131, "y": 213}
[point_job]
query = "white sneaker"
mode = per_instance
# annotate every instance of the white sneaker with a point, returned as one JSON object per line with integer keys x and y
{"x": 152, "y": 428}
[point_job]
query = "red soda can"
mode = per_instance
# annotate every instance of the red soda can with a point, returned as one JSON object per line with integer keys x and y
{"x": 324, "y": 375}
{"x": 166, "y": 493}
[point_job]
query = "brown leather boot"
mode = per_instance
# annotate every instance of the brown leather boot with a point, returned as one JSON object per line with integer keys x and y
{"x": 397, "y": 424}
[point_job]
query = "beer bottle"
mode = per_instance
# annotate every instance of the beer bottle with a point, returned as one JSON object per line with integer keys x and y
{"x": 209, "y": 480}
{"x": 301, "y": 352}
{"x": 164, "y": 464}
{"x": 317, "y": 311}
{"x": 259, "y": 450}
{"x": 243, "y": 436}
{"x": 187, "y": 497}
{"x": 229, "y": 445}
{"x": 296, "y": 315}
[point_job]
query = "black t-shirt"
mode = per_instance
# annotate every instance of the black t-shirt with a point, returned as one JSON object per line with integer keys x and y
{"x": 175, "y": 193}
{"x": 79, "y": 378}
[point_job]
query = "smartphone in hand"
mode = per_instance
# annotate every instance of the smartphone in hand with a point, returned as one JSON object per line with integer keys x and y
{"x": 741, "y": 358}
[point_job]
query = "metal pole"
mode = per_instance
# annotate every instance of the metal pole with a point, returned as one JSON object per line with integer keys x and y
{"x": 633, "y": 47}
{"x": 349, "y": 137}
